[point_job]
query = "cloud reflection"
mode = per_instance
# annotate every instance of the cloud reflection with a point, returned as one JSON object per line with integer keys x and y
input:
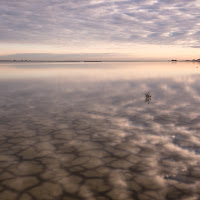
{"x": 109, "y": 134}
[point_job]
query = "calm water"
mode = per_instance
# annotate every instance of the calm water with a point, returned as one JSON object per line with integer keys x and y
{"x": 86, "y": 131}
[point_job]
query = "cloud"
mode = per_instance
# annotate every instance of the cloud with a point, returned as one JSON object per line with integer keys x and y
{"x": 77, "y": 22}
{"x": 195, "y": 47}
{"x": 62, "y": 57}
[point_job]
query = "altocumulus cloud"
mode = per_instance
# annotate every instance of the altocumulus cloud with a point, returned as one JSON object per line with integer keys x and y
{"x": 73, "y": 22}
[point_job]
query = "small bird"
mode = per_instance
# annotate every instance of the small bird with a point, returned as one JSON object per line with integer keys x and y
{"x": 148, "y": 97}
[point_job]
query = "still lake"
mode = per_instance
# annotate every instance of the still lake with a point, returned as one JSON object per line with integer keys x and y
{"x": 87, "y": 131}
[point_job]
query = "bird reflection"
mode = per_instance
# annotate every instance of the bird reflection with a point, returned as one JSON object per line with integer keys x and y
{"x": 147, "y": 97}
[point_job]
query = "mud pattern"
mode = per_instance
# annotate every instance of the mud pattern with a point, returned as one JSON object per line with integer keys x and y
{"x": 80, "y": 141}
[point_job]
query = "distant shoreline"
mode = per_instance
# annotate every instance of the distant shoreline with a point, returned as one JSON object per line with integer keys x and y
{"x": 90, "y": 61}
{"x": 74, "y": 61}
{"x": 25, "y": 61}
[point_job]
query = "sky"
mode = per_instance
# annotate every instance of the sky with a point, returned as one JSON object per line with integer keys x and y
{"x": 99, "y": 29}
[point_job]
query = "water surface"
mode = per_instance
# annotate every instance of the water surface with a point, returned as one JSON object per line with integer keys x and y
{"x": 85, "y": 131}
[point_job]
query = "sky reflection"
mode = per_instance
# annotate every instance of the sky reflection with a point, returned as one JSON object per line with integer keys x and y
{"x": 101, "y": 139}
{"x": 98, "y": 71}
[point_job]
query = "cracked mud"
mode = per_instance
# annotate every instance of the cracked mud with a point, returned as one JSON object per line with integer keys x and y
{"x": 65, "y": 140}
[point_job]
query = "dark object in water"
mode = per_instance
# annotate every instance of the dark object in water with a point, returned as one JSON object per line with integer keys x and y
{"x": 147, "y": 97}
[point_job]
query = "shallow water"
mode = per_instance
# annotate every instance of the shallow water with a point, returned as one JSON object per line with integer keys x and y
{"x": 86, "y": 131}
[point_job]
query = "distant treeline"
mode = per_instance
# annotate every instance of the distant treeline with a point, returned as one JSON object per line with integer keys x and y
{"x": 49, "y": 61}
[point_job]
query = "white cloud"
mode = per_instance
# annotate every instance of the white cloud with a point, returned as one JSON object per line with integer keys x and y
{"x": 89, "y": 21}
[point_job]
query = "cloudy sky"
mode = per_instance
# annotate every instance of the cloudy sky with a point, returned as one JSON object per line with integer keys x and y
{"x": 100, "y": 29}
